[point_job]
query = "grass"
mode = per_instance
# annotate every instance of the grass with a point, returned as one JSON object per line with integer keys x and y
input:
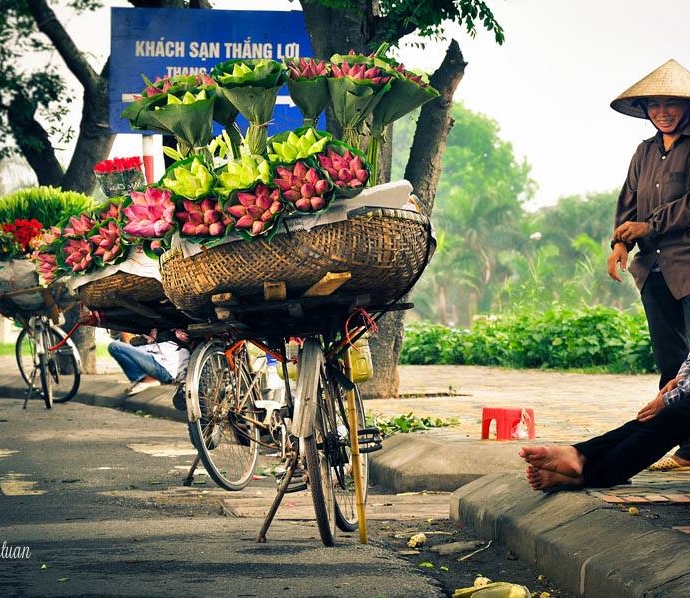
{"x": 6, "y": 349}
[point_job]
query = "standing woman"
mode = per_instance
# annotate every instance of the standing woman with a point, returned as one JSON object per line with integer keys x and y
{"x": 653, "y": 212}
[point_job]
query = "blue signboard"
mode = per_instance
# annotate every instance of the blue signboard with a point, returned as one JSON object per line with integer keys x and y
{"x": 160, "y": 42}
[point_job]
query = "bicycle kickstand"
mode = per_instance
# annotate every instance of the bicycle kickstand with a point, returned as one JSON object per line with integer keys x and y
{"x": 282, "y": 489}
{"x": 31, "y": 387}
{"x": 190, "y": 474}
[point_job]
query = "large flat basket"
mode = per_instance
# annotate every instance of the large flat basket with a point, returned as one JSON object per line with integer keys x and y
{"x": 112, "y": 290}
{"x": 384, "y": 250}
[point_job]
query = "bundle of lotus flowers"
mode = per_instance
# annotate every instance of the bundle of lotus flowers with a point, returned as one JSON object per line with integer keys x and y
{"x": 189, "y": 178}
{"x": 46, "y": 265}
{"x": 150, "y": 214}
{"x": 256, "y": 211}
{"x": 296, "y": 145}
{"x": 347, "y": 169}
{"x": 242, "y": 173}
{"x": 307, "y": 68}
{"x": 358, "y": 70}
{"x": 107, "y": 241}
{"x": 303, "y": 186}
{"x": 77, "y": 254}
{"x": 78, "y": 226}
{"x": 308, "y": 86}
{"x": 203, "y": 218}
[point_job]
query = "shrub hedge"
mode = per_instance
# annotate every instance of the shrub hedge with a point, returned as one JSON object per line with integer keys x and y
{"x": 592, "y": 338}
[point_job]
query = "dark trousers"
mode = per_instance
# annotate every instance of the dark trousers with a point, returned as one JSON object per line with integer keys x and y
{"x": 668, "y": 320}
{"x": 616, "y": 456}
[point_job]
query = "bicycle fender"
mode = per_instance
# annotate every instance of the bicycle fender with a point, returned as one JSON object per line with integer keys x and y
{"x": 307, "y": 387}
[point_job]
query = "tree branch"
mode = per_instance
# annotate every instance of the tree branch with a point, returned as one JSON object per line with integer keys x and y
{"x": 48, "y": 24}
{"x": 33, "y": 141}
{"x": 423, "y": 170}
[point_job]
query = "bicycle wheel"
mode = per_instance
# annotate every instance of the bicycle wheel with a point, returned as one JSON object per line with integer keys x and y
{"x": 64, "y": 364}
{"x": 334, "y": 399}
{"x": 319, "y": 475}
{"x": 221, "y": 416}
{"x": 46, "y": 380}
{"x": 25, "y": 353}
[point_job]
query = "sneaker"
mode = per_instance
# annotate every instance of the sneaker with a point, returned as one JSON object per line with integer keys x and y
{"x": 142, "y": 385}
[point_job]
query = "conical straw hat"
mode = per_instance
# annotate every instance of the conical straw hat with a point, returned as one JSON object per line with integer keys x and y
{"x": 670, "y": 79}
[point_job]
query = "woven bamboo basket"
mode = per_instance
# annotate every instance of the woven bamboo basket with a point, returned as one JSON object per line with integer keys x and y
{"x": 385, "y": 250}
{"x": 105, "y": 292}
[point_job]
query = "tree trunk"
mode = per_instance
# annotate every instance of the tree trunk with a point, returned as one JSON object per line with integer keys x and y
{"x": 95, "y": 138}
{"x": 332, "y": 31}
{"x": 423, "y": 171}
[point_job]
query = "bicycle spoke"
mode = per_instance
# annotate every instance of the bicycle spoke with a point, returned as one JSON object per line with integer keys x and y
{"x": 224, "y": 435}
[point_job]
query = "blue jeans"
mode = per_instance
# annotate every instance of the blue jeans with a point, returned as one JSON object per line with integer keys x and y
{"x": 137, "y": 364}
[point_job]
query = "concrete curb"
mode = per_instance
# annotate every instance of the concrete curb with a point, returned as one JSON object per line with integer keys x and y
{"x": 589, "y": 548}
{"x": 428, "y": 461}
{"x": 108, "y": 390}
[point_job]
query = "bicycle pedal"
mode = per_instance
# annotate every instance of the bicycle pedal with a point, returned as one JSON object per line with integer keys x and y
{"x": 297, "y": 482}
{"x": 369, "y": 440}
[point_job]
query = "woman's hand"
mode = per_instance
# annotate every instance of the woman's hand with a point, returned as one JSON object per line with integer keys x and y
{"x": 652, "y": 408}
{"x": 619, "y": 255}
{"x": 657, "y": 404}
{"x": 630, "y": 231}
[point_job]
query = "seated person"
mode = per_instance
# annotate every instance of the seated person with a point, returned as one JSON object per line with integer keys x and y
{"x": 617, "y": 455}
{"x": 155, "y": 361}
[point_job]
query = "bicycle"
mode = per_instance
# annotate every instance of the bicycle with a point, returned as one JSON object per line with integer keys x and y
{"x": 45, "y": 350}
{"x": 306, "y": 283}
{"x": 227, "y": 418}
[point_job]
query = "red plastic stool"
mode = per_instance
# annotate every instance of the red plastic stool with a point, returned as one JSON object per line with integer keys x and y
{"x": 507, "y": 418}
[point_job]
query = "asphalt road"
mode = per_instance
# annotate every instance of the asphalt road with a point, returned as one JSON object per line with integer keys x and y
{"x": 91, "y": 504}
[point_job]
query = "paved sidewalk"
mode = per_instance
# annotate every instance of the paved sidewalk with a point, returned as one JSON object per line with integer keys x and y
{"x": 583, "y": 540}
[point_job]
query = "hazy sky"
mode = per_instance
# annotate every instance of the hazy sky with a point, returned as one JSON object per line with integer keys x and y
{"x": 550, "y": 84}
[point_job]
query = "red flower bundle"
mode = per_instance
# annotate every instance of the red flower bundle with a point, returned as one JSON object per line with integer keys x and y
{"x": 118, "y": 165}
{"x": 23, "y": 231}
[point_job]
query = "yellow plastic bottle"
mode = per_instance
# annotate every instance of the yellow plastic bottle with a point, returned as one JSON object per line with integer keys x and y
{"x": 360, "y": 359}
{"x": 291, "y": 350}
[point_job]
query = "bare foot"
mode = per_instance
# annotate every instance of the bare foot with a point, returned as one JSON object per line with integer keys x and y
{"x": 543, "y": 479}
{"x": 682, "y": 462}
{"x": 560, "y": 459}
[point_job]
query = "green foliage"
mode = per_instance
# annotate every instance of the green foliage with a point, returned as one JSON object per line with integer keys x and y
{"x": 478, "y": 214}
{"x": 427, "y": 18}
{"x": 42, "y": 91}
{"x": 406, "y": 423}
{"x": 493, "y": 255}
{"x": 51, "y": 206}
{"x": 592, "y": 338}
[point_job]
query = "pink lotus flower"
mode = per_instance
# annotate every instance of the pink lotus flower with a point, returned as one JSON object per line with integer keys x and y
{"x": 112, "y": 210}
{"x": 46, "y": 265}
{"x": 77, "y": 253}
{"x": 79, "y": 226}
{"x": 151, "y": 213}
{"x": 302, "y": 186}
{"x": 257, "y": 210}
{"x": 307, "y": 68}
{"x": 48, "y": 236}
{"x": 347, "y": 170}
{"x": 107, "y": 242}
{"x": 202, "y": 219}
